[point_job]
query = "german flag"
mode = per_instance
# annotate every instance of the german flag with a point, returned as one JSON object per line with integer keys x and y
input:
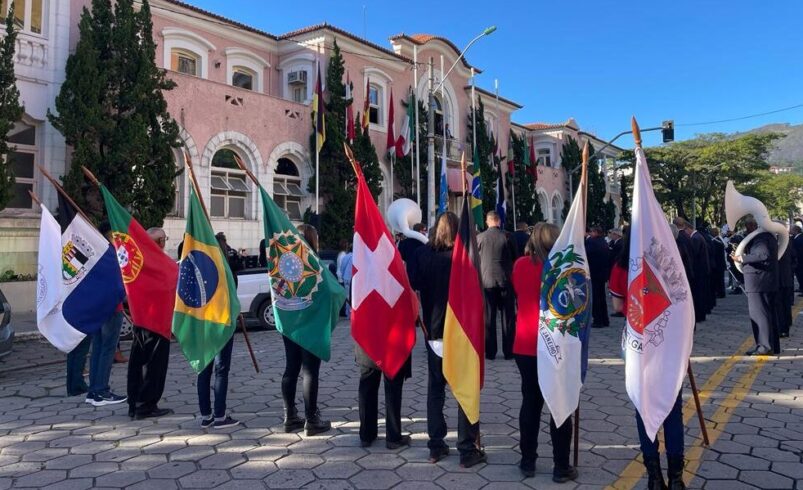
{"x": 464, "y": 329}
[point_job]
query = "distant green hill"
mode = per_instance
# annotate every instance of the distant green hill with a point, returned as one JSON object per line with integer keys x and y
{"x": 788, "y": 150}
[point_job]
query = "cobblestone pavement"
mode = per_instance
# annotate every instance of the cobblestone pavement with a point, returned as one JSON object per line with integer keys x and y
{"x": 754, "y": 409}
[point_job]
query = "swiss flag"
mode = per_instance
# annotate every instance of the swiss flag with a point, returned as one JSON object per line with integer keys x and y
{"x": 384, "y": 305}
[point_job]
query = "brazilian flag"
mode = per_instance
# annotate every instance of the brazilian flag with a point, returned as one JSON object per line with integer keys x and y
{"x": 476, "y": 192}
{"x": 206, "y": 299}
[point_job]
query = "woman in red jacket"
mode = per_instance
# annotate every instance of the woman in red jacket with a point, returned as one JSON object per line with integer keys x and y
{"x": 527, "y": 285}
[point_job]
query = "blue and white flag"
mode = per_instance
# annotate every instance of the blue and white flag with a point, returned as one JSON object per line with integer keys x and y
{"x": 79, "y": 279}
{"x": 501, "y": 202}
{"x": 565, "y": 312}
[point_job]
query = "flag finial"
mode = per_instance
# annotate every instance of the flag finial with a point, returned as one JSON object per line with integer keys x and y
{"x": 636, "y": 131}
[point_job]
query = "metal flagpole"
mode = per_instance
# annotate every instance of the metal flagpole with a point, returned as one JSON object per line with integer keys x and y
{"x": 499, "y": 145}
{"x": 415, "y": 130}
{"x": 443, "y": 123}
{"x": 473, "y": 119}
{"x": 317, "y": 148}
{"x": 430, "y": 219}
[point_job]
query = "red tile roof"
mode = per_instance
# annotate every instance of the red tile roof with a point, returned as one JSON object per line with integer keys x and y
{"x": 219, "y": 18}
{"x": 421, "y": 39}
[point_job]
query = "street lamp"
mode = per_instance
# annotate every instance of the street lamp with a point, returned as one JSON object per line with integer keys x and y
{"x": 431, "y": 124}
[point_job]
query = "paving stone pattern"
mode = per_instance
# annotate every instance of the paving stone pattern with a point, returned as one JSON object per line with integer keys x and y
{"x": 50, "y": 441}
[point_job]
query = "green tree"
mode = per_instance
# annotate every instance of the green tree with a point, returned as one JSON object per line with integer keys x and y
{"x": 528, "y": 209}
{"x": 10, "y": 109}
{"x": 112, "y": 111}
{"x": 600, "y": 210}
{"x": 488, "y": 172}
{"x": 338, "y": 180}
{"x": 782, "y": 194}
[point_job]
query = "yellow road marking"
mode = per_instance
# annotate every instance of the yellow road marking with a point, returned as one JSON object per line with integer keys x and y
{"x": 634, "y": 471}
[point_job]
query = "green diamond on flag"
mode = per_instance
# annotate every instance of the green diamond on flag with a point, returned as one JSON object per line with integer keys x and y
{"x": 306, "y": 296}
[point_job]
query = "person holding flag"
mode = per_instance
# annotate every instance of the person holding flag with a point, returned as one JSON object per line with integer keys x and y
{"x": 527, "y": 273}
{"x": 384, "y": 314}
{"x": 658, "y": 333}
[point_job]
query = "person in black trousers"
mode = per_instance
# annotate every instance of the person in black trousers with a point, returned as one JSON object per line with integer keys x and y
{"x": 760, "y": 269}
{"x": 300, "y": 361}
{"x": 497, "y": 254}
{"x": 796, "y": 242}
{"x": 786, "y": 290}
{"x": 599, "y": 261}
{"x": 699, "y": 283}
{"x": 718, "y": 264}
{"x": 430, "y": 277}
{"x": 370, "y": 377}
{"x": 147, "y": 363}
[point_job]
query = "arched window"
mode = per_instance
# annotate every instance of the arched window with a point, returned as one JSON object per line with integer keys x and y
{"x": 287, "y": 191}
{"x": 557, "y": 209}
{"x": 229, "y": 186}
{"x": 23, "y": 158}
{"x": 243, "y": 77}
{"x": 185, "y": 61}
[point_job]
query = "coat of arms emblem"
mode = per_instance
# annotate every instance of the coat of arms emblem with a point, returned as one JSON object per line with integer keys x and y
{"x": 129, "y": 256}
{"x": 294, "y": 271}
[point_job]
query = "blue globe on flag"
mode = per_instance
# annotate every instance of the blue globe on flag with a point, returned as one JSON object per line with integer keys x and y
{"x": 198, "y": 279}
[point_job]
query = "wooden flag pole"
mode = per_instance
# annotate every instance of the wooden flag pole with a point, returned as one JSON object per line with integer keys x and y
{"x": 63, "y": 192}
{"x": 696, "y": 395}
{"x": 35, "y": 198}
{"x": 195, "y": 186}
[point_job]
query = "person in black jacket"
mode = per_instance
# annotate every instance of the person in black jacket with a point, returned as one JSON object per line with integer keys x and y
{"x": 497, "y": 254}
{"x": 699, "y": 283}
{"x": 718, "y": 264}
{"x": 521, "y": 236}
{"x": 760, "y": 268}
{"x": 786, "y": 290}
{"x": 599, "y": 259}
{"x": 430, "y": 277}
{"x": 796, "y": 242}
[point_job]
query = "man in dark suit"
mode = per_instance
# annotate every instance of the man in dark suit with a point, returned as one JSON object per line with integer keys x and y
{"x": 599, "y": 260}
{"x": 717, "y": 264}
{"x": 521, "y": 236}
{"x": 760, "y": 269}
{"x": 786, "y": 290}
{"x": 797, "y": 243}
{"x": 615, "y": 244}
{"x": 497, "y": 254}
{"x": 698, "y": 251}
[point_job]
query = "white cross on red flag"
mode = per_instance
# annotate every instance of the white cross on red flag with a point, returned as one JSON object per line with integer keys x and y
{"x": 384, "y": 305}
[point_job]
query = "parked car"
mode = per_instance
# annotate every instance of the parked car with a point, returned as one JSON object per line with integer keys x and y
{"x": 6, "y": 330}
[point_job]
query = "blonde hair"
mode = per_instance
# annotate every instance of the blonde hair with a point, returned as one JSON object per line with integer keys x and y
{"x": 445, "y": 231}
{"x": 541, "y": 240}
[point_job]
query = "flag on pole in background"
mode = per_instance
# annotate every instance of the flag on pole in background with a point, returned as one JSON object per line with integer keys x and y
{"x": 79, "y": 283}
{"x": 350, "y": 131}
{"x": 565, "y": 312}
{"x": 443, "y": 194}
{"x": 406, "y": 135}
{"x": 391, "y": 140}
{"x": 464, "y": 328}
{"x": 207, "y": 307}
{"x": 380, "y": 288}
{"x": 501, "y": 202}
{"x": 532, "y": 169}
{"x": 366, "y": 106}
{"x": 306, "y": 296}
{"x": 657, "y": 338}
{"x": 476, "y": 191}
{"x": 150, "y": 275}
{"x": 318, "y": 113}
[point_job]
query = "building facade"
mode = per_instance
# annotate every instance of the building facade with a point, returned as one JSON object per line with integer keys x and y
{"x": 42, "y": 49}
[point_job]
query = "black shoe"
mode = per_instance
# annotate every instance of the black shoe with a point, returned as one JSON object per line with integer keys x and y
{"x": 527, "y": 468}
{"x": 655, "y": 477}
{"x": 598, "y": 326}
{"x": 404, "y": 441}
{"x": 316, "y": 425}
{"x": 105, "y": 399}
{"x": 618, "y": 314}
{"x": 292, "y": 422}
{"x": 226, "y": 422}
{"x": 675, "y": 473}
{"x": 364, "y": 443}
{"x": 473, "y": 458}
{"x": 438, "y": 454}
{"x": 563, "y": 475}
{"x": 751, "y": 351}
{"x": 131, "y": 411}
{"x": 156, "y": 412}
{"x": 207, "y": 422}
{"x": 783, "y": 335}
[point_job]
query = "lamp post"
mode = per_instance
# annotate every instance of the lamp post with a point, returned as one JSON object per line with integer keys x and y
{"x": 432, "y": 88}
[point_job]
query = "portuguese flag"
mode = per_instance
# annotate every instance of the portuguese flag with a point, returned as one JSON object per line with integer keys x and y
{"x": 207, "y": 307}
{"x": 306, "y": 296}
{"x": 149, "y": 274}
{"x": 464, "y": 328}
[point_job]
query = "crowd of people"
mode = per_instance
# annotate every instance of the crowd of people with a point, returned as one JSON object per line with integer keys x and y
{"x": 510, "y": 276}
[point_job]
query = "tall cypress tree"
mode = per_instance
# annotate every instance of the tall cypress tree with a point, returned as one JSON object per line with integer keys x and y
{"x": 10, "y": 109}
{"x": 600, "y": 211}
{"x": 528, "y": 208}
{"x": 488, "y": 173}
{"x": 112, "y": 112}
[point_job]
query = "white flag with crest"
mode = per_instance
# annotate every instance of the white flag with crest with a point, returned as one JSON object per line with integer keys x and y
{"x": 565, "y": 312}
{"x": 657, "y": 338}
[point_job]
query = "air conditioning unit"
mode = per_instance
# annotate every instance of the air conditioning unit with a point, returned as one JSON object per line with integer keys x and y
{"x": 297, "y": 77}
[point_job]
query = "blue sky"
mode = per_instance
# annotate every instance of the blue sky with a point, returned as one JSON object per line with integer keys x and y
{"x": 599, "y": 61}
